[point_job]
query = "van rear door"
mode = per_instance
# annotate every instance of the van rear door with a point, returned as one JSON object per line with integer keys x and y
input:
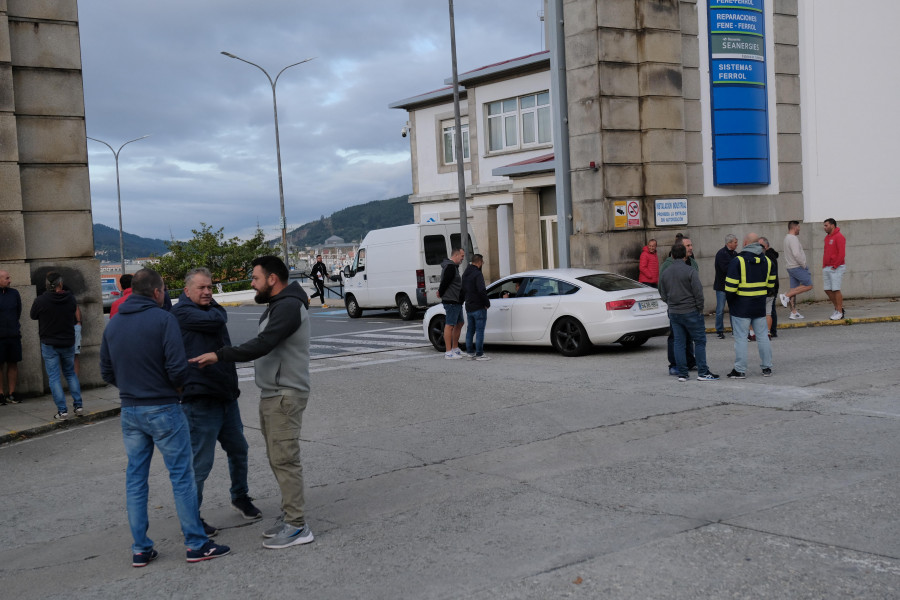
{"x": 434, "y": 243}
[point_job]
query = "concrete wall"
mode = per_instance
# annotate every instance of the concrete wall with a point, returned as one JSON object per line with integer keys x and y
{"x": 45, "y": 205}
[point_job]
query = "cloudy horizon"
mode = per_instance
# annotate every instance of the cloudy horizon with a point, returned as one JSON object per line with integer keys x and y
{"x": 155, "y": 68}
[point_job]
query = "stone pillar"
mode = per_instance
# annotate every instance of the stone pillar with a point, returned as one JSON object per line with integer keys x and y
{"x": 485, "y": 233}
{"x": 527, "y": 227}
{"x": 46, "y": 203}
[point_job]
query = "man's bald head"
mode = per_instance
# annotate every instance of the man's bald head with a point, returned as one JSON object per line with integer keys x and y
{"x": 750, "y": 238}
{"x": 4, "y": 279}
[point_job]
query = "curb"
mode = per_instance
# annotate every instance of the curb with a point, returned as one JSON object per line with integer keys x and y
{"x": 840, "y": 322}
{"x": 18, "y": 436}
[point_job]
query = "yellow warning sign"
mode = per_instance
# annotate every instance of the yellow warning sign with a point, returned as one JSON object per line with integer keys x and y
{"x": 620, "y": 213}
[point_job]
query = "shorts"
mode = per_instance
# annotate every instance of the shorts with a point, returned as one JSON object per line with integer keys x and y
{"x": 77, "y": 339}
{"x": 10, "y": 350}
{"x": 454, "y": 314}
{"x": 832, "y": 277}
{"x": 799, "y": 276}
{"x": 770, "y": 302}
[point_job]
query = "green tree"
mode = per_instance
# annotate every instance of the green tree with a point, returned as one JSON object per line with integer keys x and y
{"x": 227, "y": 260}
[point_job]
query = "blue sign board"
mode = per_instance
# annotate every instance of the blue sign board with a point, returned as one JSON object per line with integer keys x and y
{"x": 737, "y": 69}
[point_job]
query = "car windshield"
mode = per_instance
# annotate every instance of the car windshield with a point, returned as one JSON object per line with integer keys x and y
{"x": 109, "y": 286}
{"x": 610, "y": 282}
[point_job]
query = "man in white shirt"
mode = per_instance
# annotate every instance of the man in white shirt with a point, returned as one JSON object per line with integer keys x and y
{"x": 795, "y": 261}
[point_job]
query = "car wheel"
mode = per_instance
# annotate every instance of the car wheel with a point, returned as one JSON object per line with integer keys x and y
{"x": 353, "y": 308}
{"x": 634, "y": 342}
{"x": 436, "y": 333}
{"x": 407, "y": 310}
{"x": 569, "y": 337}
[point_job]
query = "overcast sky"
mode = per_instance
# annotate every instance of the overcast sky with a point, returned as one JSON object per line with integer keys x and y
{"x": 156, "y": 68}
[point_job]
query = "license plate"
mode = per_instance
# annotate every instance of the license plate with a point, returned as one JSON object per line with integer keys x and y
{"x": 648, "y": 304}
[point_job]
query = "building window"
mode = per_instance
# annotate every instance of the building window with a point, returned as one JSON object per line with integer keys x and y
{"x": 449, "y": 132}
{"x": 505, "y": 116}
{"x": 535, "y": 118}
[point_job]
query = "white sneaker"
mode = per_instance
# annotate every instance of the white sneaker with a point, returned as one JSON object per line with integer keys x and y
{"x": 452, "y": 356}
{"x": 784, "y": 300}
{"x": 836, "y": 316}
{"x": 457, "y": 351}
{"x": 483, "y": 357}
{"x": 795, "y": 316}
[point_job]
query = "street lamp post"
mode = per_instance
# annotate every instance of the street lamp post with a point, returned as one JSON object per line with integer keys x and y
{"x": 273, "y": 83}
{"x": 460, "y": 167}
{"x": 119, "y": 192}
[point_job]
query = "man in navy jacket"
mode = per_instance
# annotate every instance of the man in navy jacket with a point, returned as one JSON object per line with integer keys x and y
{"x": 747, "y": 283}
{"x": 142, "y": 354}
{"x": 210, "y": 395}
{"x": 477, "y": 303}
{"x": 10, "y": 336}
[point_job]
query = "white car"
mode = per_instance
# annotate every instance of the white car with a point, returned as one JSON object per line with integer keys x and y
{"x": 570, "y": 309}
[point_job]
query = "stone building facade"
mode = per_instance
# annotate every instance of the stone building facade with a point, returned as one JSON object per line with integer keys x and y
{"x": 45, "y": 203}
{"x": 639, "y": 96}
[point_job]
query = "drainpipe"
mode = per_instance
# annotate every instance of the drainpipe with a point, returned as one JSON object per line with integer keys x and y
{"x": 559, "y": 104}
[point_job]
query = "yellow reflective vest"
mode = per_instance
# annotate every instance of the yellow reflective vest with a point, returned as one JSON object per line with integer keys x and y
{"x": 747, "y": 283}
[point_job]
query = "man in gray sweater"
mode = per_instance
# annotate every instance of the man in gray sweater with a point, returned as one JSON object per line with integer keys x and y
{"x": 280, "y": 355}
{"x": 680, "y": 288}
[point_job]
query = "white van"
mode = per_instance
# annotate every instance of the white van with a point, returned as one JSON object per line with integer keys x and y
{"x": 400, "y": 267}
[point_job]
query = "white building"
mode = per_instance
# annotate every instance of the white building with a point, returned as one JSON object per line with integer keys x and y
{"x": 508, "y": 158}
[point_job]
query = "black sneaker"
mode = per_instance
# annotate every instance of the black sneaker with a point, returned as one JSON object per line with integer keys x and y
{"x": 142, "y": 559}
{"x": 209, "y": 551}
{"x": 208, "y": 529}
{"x": 2, "y": 400}
{"x": 710, "y": 376}
{"x": 245, "y": 506}
{"x": 736, "y": 375}
{"x": 767, "y": 372}
{"x": 61, "y": 416}
{"x": 720, "y": 335}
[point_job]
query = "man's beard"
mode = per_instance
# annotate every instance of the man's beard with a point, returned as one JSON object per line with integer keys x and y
{"x": 264, "y": 295}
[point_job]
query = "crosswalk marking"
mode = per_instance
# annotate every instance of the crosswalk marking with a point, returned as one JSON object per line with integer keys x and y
{"x": 350, "y": 350}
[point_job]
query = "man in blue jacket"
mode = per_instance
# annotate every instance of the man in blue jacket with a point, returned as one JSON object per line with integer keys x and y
{"x": 210, "y": 395}
{"x": 142, "y": 354}
{"x": 749, "y": 279}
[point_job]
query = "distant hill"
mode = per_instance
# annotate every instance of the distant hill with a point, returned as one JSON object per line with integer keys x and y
{"x": 106, "y": 244}
{"x": 354, "y": 222}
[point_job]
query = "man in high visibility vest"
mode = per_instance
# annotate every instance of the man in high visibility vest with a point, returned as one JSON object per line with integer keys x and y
{"x": 749, "y": 278}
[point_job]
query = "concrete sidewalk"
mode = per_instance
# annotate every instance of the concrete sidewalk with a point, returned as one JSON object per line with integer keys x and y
{"x": 34, "y": 415}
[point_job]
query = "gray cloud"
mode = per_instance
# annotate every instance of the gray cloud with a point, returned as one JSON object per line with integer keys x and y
{"x": 155, "y": 67}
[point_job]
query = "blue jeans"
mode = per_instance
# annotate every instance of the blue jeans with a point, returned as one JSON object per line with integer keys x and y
{"x": 689, "y": 326}
{"x": 688, "y": 350}
{"x": 720, "y": 312}
{"x": 475, "y": 329}
{"x": 54, "y": 358}
{"x": 165, "y": 427}
{"x": 210, "y": 420}
{"x": 741, "y": 328}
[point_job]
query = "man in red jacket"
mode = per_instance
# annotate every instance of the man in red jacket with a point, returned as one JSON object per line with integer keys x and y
{"x": 833, "y": 266}
{"x": 648, "y": 271}
{"x": 125, "y": 281}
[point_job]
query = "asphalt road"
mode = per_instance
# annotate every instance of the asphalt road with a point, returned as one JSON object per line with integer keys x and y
{"x": 529, "y": 476}
{"x": 243, "y": 321}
